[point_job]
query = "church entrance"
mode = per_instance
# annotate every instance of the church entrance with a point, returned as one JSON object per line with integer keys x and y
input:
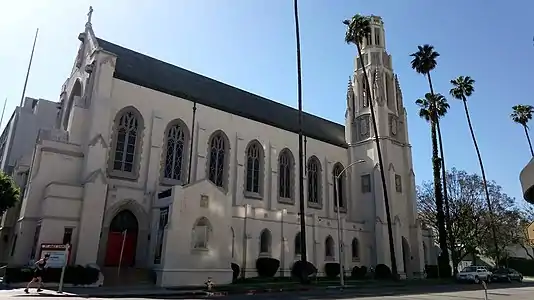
{"x": 122, "y": 240}
{"x": 406, "y": 257}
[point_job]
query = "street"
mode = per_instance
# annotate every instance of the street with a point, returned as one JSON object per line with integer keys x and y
{"x": 444, "y": 292}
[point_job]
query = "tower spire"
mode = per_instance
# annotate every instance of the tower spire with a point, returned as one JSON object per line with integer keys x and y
{"x": 89, "y": 16}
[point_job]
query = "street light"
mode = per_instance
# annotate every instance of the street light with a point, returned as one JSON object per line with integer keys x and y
{"x": 339, "y": 233}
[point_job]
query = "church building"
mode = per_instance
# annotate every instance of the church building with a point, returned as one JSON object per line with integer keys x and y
{"x": 154, "y": 167}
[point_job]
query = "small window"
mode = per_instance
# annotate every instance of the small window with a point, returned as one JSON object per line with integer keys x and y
{"x": 398, "y": 183}
{"x": 377, "y": 37}
{"x": 368, "y": 40}
{"x": 67, "y": 235}
{"x": 201, "y": 234}
{"x": 366, "y": 183}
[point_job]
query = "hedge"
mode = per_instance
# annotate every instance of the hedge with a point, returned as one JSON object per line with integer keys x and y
{"x": 521, "y": 265}
{"x": 235, "y": 271}
{"x": 431, "y": 271}
{"x": 77, "y": 275}
{"x": 382, "y": 272}
{"x": 267, "y": 266}
{"x": 331, "y": 269}
{"x": 299, "y": 268}
{"x": 359, "y": 272}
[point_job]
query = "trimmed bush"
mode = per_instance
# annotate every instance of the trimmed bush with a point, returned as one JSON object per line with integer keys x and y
{"x": 299, "y": 268}
{"x": 431, "y": 271}
{"x": 382, "y": 272}
{"x": 267, "y": 266}
{"x": 331, "y": 270}
{"x": 445, "y": 271}
{"x": 236, "y": 270}
{"x": 521, "y": 265}
{"x": 359, "y": 272}
{"x": 77, "y": 275}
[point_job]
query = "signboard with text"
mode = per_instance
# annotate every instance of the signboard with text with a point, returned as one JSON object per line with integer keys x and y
{"x": 58, "y": 254}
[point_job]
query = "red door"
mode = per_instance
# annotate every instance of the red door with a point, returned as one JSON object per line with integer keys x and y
{"x": 114, "y": 246}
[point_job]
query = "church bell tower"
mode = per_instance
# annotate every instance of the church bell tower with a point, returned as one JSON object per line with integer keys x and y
{"x": 384, "y": 91}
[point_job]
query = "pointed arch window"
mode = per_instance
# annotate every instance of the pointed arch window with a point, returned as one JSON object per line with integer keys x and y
{"x": 265, "y": 242}
{"x": 126, "y": 144}
{"x": 217, "y": 159}
{"x": 339, "y": 187}
{"x": 285, "y": 178}
{"x": 314, "y": 180}
{"x": 355, "y": 249}
{"x": 254, "y": 169}
{"x": 175, "y": 153}
{"x": 329, "y": 248}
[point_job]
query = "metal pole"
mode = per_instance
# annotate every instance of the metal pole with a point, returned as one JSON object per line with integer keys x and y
{"x": 244, "y": 267}
{"x": 61, "y": 279}
{"x": 282, "y": 244}
{"x": 122, "y": 252}
{"x": 29, "y": 67}
{"x": 339, "y": 235}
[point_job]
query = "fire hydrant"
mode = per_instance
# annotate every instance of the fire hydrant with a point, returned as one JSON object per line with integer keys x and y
{"x": 209, "y": 284}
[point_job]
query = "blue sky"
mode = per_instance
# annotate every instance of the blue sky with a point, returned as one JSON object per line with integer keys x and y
{"x": 250, "y": 44}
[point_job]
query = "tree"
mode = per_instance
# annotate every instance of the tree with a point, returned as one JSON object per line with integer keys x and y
{"x": 441, "y": 107}
{"x": 358, "y": 28}
{"x": 466, "y": 210}
{"x": 522, "y": 114}
{"x": 9, "y": 193}
{"x": 423, "y": 62}
{"x": 463, "y": 87}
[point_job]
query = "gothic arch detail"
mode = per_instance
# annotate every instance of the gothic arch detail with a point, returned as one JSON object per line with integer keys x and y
{"x": 254, "y": 169}
{"x": 174, "y": 153}
{"x": 218, "y": 159}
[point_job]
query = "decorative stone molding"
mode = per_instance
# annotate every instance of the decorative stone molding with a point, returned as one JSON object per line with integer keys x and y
{"x": 393, "y": 121}
{"x": 98, "y": 138}
{"x": 363, "y": 128}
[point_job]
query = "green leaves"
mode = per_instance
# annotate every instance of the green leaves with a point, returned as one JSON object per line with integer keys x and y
{"x": 358, "y": 27}
{"x": 9, "y": 192}
{"x": 521, "y": 114}
{"x": 430, "y": 102}
{"x": 462, "y": 87}
{"x": 424, "y": 60}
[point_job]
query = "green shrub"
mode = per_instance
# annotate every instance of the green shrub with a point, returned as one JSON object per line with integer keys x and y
{"x": 77, "y": 275}
{"x": 521, "y": 265}
{"x": 431, "y": 271}
{"x": 235, "y": 270}
{"x": 331, "y": 269}
{"x": 267, "y": 266}
{"x": 382, "y": 272}
{"x": 299, "y": 269}
{"x": 359, "y": 272}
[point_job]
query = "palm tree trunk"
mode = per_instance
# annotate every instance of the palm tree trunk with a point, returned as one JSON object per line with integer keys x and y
{"x": 446, "y": 199}
{"x": 303, "y": 252}
{"x": 436, "y": 164}
{"x": 485, "y": 182}
{"x": 392, "y": 256}
{"x": 528, "y": 139}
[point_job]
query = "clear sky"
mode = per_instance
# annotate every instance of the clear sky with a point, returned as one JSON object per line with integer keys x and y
{"x": 251, "y": 44}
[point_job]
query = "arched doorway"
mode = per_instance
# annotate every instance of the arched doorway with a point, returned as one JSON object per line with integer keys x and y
{"x": 122, "y": 239}
{"x": 406, "y": 257}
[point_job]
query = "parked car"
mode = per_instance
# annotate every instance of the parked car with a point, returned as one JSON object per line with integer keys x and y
{"x": 506, "y": 275}
{"x": 474, "y": 274}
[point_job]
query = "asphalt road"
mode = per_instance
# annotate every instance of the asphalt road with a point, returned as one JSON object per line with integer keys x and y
{"x": 444, "y": 292}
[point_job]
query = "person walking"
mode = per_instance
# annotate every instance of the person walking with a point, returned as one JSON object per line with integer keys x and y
{"x": 40, "y": 266}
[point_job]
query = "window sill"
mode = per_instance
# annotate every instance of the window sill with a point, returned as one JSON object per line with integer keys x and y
{"x": 286, "y": 201}
{"x": 171, "y": 182}
{"x": 355, "y": 259}
{"x": 315, "y": 205}
{"x": 341, "y": 210}
{"x": 251, "y": 195}
{"x": 329, "y": 258}
{"x": 200, "y": 250}
{"x": 264, "y": 254}
{"x": 123, "y": 175}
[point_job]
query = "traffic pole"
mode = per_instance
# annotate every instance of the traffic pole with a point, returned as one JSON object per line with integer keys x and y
{"x": 61, "y": 279}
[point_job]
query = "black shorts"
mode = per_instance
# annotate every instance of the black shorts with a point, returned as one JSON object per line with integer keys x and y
{"x": 37, "y": 273}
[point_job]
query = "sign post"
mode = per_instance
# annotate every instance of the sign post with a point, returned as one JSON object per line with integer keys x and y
{"x": 122, "y": 252}
{"x": 61, "y": 279}
{"x": 485, "y": 290}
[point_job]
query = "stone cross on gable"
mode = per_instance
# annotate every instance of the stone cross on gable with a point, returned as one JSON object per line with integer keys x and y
{"x": 90, "y": 14}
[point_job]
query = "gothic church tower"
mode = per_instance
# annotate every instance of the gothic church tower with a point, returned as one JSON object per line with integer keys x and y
{"x": 366, "y": 188}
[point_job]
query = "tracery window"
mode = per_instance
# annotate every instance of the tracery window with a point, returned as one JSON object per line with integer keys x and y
{"x": 175, "y": 153}
{"x": 253, "y": 168}
{"x": 285, "y": 168}
{"x": 128, "y": 126}
{"x": 314, "y": 177}
{"x": 217, "y": 159}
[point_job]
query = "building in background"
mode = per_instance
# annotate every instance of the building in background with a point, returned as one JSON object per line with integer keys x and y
{"x": 17, "y": 143}
{"x": 527, "y": 181}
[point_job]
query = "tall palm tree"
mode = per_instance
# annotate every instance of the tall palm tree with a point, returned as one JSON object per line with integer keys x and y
{"x": 358, "y": 28}
{"x": 521, "y": 115}
{"x": 463, "y": 87}
{"x": 303, "y": 256}
{"x": 425, "y": 111}
{"x": 423, "y": 62}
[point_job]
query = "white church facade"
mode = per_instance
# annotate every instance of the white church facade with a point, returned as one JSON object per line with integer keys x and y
{"x": 191, "y": 174}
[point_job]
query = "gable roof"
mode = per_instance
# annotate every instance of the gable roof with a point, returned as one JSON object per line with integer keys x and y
{"x": 151, "y": 73}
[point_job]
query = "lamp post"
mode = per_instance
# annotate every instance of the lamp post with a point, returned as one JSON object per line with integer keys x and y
{"x": 339, "y": 233}
{"x": 282, "y": 242}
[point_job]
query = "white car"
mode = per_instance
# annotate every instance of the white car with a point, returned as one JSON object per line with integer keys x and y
{"x": 474, "y": 274}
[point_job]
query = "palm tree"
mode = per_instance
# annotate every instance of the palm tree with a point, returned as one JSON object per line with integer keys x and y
{"x": 442, "y": 106}
{"x": 463, "y": 87}
{"x": 521, "y": 115}
{"x": 358, "y": 28}
{"x": 423, "y": 62}
{"x": 303, "y": 257}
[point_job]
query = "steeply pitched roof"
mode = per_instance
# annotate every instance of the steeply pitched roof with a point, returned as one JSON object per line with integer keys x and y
{"x": 154, "y": 74}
